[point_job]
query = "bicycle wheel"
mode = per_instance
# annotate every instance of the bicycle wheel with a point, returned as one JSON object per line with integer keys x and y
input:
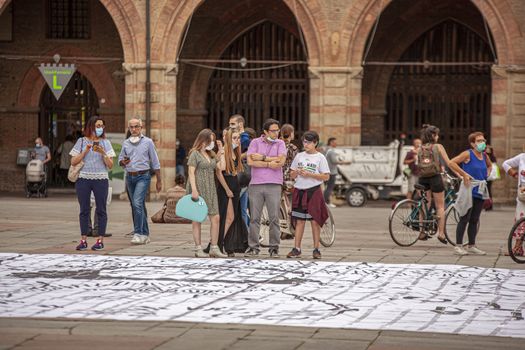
{"x": 451, "y": 223}
{"x": 515, "y": 241}
{"x": 328, "y": 231}
{"x": 405, "y": 222}
{"x": 264, "y": 228}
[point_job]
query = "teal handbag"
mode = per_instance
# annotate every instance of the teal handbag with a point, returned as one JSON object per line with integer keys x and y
{"x": 192, "y": 210}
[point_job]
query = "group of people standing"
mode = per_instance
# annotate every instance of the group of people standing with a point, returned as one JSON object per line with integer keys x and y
{"x": 220, "y": 171}
{"x": 244, "y": 170}
{"x": 426, "y": 162}
{"x": 139, "y": 159}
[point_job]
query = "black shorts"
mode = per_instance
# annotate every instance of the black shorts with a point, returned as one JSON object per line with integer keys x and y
{"x": 433, "y": 183}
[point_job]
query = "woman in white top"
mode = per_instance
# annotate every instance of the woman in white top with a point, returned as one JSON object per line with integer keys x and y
{"x": 97, "y": 154}
{"x": 309, "y": 169}
{"x": 515, "y": 167}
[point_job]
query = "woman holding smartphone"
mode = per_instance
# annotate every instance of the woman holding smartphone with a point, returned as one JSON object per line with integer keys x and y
{"x": 97, "y": 154}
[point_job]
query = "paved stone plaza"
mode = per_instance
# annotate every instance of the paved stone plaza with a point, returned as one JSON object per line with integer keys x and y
{"x": 42, "y": 226}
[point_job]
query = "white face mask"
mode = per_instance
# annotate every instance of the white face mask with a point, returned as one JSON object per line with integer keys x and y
{"x": 134, "y": 139}
{"x": 211, "y": 146}
{"x": 270, "y": 139}
{"x": 234, "y": 145}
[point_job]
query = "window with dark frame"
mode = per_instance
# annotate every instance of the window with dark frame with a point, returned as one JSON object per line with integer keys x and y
{"x": 68, "y": 19}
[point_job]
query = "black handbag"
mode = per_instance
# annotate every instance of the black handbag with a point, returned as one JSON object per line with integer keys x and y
{"x": 246, "y": 176}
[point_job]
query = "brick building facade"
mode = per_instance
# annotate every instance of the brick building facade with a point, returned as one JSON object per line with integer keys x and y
{"x": 355, "y": 102}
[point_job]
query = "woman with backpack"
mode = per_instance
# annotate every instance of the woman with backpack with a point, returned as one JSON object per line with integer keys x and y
{"x": 429, "y": 165}
{"x": 477, "y": 164}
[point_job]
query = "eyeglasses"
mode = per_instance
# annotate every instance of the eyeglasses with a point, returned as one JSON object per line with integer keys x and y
{"x": 135, "y": 126}
{"x": 274, "y": 131}
{"x": 306, "y": 142}
{"x": 481, "y": 141}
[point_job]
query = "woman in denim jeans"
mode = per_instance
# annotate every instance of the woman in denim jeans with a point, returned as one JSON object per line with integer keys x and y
{"x": 97, "y": 154}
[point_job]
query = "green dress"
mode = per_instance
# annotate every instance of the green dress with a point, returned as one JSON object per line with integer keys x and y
{"x": 205, "y": 180}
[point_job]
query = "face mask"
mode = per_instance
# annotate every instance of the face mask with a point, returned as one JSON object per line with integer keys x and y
{"x": 211, "y": 146}
{"x": 134, "y": 139}
{"x": 234, "y": 145}
{"x": 99, "y": 131}
{"x": 177, "y": 143}
{"x": 481, "y": 146}
{"x": 38, "y": 145}
{"x": 269, "y": 139}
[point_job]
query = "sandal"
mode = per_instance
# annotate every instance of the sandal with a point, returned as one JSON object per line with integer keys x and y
{"x": 423, "y": 236}
{"x": 442, "y": 240}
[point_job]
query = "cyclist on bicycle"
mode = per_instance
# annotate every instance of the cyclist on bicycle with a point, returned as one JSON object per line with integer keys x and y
{"x": 429, "y": 165}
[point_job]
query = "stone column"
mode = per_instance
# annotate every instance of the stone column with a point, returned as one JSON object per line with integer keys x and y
{"x": 335, "y": 103}
{"x": 163, "y": 111}
{"x": 507, "y": 123}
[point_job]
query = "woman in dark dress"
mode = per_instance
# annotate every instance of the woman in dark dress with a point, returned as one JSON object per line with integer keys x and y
{"x": 233, "y": 235}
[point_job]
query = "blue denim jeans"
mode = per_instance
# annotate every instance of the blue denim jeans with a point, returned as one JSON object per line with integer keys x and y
{"x": 137, "y": 189}
{"x": 244, "y": 207}
{"x": 84, "y": 187}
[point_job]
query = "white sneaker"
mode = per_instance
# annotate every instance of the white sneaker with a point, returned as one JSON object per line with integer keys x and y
{"x": 474, "y": 250}
{"x": 332, "y": 205}
{"x": 144, "y": 239}
{"x": 136, "y": 239}
{"x": 460, "y": 251}
{"x": 215, "y": 252}
{"x": 199, "y": 253}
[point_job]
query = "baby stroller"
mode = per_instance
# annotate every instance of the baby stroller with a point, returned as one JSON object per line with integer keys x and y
{"x": 36, "y": 179}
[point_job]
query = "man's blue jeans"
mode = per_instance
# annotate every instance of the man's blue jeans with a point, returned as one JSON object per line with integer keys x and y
{"x": 137, "y": 189}
{"x": 244, "y": 207}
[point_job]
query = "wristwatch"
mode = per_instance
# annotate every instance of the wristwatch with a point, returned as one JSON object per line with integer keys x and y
{"x": 264, "y": 158}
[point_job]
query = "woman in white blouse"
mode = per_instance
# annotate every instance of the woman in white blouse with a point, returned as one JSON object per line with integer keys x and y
{"x": 515, "y": 167}
{"x": 97, "y": 154}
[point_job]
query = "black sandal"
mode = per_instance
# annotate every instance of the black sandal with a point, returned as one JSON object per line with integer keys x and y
{"x": 443, "y": 240}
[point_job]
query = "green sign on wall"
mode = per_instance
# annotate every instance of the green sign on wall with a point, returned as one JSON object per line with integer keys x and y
{"x": 57, "y": 76}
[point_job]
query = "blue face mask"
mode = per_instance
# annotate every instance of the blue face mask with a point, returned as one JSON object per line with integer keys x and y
{"x": 481, "y": 146}
{"x": 99, "y": 131}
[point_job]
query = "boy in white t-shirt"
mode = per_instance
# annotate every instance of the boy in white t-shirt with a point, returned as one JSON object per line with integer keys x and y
{"x": 309, "y": 169}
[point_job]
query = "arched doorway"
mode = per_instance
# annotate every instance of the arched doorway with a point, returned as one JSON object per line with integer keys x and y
{"x": 212, "y": 84}
{"x": 456, "y": 98}
{"x": 66, "y": 116}
{"x": 259, "y": 94}
{"x": 428, "y": 63}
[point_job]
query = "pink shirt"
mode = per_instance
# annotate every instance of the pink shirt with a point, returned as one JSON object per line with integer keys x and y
{"x": 261, "y": 176}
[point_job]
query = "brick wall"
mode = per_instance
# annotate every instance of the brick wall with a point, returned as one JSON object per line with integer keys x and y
{"x": 21, "y": 84}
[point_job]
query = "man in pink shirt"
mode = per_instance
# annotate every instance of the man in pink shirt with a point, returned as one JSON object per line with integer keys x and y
{"x": 266, "y": 156}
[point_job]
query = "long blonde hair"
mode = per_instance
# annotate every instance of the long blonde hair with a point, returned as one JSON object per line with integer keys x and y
{"x": 229, "y": 152}
{"x": 204, "y": 138}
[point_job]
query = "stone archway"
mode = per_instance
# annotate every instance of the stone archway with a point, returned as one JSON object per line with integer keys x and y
{"x": 503, "y": 29}
{"x": 128, "y": 22}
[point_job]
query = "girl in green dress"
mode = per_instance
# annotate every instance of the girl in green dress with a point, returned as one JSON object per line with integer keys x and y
{"x": 202, "y": 164}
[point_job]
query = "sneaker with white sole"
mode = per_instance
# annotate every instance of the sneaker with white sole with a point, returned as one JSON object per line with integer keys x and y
{"x": 144, "y": 239}
{"x": 332, "y": 205}
{"x": 136, "y": 239}
{"x": 474, "y": 250}
{"x": 460, "y": 251}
